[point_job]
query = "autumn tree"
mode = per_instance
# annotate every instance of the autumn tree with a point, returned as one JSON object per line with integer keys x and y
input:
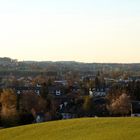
{"x": 9, "y": 114}
{"x": 40, "y": 79}
{"x": 31, "y": 100}
{"x": 88, "y": 105}
{"x": 30, "y": 104}
{"x": 120, "y": 105}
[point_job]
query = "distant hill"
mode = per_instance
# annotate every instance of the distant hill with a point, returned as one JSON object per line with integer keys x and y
{"x": 77, "y": 129}
{"x": 8, "y": 65}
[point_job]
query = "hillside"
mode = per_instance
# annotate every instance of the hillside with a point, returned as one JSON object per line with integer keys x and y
{"x": 77, "y": 129}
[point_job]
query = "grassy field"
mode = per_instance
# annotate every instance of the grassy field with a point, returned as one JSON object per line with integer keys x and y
{"x": 77, "y": 129}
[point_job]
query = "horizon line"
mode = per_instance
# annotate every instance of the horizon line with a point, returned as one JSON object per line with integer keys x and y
{"x": 31, "y": 60}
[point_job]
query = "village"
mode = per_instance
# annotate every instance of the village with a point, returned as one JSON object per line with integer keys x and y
{"x": 39, "y": 98}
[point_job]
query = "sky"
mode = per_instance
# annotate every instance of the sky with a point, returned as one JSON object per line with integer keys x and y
{"x": 70, "y": 30}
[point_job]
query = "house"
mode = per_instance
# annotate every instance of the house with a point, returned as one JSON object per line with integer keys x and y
{"x": 98, "y": 93}
{"x": 20, "y": 90}
{"x": 66, "y": 110}
{"x": 56, "y": 90}
{"x": 61, "y": 82}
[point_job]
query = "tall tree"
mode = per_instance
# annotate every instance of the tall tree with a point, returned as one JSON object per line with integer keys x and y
{"x": 9, "y": 112}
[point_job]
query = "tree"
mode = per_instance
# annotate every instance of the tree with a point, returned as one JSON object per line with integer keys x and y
{"x": 44, "y": 91}
{"x": 31, "y": 100}
{"x": 88, "y": 105}
{"x": 120, "y": 105}
{"x": 30, "y": 105}
{"x": 40, "y": 79}
{"x": 9, "y": 114}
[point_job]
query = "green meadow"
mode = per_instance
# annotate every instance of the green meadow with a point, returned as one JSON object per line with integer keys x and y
{"x": 77, "y": 129}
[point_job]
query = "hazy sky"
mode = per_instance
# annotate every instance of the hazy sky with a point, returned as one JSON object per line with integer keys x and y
{"x": 80, "y": 30}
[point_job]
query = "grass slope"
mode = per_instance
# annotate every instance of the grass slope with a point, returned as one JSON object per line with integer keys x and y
{"x": 77, "y": 129}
